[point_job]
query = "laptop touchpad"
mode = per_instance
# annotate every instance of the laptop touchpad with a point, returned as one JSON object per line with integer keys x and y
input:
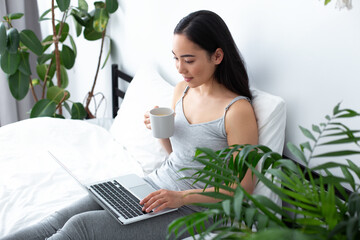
{"x": 141, "y": 191}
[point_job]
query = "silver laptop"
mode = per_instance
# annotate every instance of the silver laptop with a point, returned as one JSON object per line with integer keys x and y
{"x": 120, "y": 196}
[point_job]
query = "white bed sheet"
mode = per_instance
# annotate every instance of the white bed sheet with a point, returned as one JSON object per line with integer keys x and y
{"x": 33, "y": 185}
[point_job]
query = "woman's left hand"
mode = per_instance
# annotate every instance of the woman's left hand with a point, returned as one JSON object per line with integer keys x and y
{"x": 162, "y": 199}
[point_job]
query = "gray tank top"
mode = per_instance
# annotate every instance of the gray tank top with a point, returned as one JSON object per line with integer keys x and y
{"x": 187, "y": 137}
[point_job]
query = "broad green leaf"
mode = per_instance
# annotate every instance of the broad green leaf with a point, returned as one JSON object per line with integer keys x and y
{"x": 78, "y": 18}
{"x": 57, "y": 94}
{"x": 44, "y": 58}
{"x": 73, "y": 45}
{"x": 111, "y": 5}
{"x": 64, "y": 77}
{"x": 19, "y": 85}
{"x": 83, "y": 5}
{"x": 78, "y": 111}
{"x": 24, "y": 65}
{"x": 3, "y": 38}
{"x": 10, "y": 62}
{"x": 43, "y": 108}
{"x": 63, "y": 4}
{"x": 64, "y": 31}
{"x": 67, "y": 107}
{"x": 78, "y": 28}
{"x": 297, "y": 152}
{"x": 67, "y": 56}
{"x": 89, "y": 32}
{"x": 29, "y": 39}
{"x": 13, "y": 40}
{"x": 101, "y": 19}
{"x": 14, "y": 16}
{"x": 42, "y": 69}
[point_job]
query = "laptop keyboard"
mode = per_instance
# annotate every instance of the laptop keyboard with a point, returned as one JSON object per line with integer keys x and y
{"x": 119, "y": 198}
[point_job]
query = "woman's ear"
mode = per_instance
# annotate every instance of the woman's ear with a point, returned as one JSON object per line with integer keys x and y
{"x": 218, "y": 56}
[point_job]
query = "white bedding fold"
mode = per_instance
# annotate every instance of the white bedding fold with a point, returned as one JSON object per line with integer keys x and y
{"x": 32, "y": 184}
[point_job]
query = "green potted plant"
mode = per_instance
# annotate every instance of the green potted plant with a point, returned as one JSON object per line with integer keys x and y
{"x": 323, "y": 205}
{"x": 54, "y": 56}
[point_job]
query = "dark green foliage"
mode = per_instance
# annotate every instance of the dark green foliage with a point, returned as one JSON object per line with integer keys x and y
{"x": 321, "y": 207}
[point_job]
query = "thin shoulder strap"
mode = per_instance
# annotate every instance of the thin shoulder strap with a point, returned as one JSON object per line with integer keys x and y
{"x": 236, "y": 99}
{"x": 185, "y": 91}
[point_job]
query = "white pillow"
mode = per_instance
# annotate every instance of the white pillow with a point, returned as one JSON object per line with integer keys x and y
{"x": 270, "y": 111}
{"x": 146, "y": 90}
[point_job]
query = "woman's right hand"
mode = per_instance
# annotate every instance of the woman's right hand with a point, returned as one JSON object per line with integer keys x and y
{"x": 147, "y": 119}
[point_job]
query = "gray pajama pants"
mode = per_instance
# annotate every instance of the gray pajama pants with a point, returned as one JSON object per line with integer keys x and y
{"x": 86, "y": 220}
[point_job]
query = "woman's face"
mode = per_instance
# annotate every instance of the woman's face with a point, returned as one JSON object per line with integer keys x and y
{"x": 193, "y": 62}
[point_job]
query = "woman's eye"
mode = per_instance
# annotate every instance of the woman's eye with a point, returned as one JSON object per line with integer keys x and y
{"x": 189, "y": 61}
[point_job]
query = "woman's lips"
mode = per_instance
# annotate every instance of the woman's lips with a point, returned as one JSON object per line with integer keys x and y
{"x": 187, "y": 79}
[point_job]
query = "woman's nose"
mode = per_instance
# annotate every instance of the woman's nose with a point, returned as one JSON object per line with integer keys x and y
{"x": 180, "y": 67}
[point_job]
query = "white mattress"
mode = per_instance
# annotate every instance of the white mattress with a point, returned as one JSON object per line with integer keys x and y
{"x": 33, "y": 185}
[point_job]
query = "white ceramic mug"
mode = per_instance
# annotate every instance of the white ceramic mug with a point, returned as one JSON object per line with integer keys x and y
{"x": 162, "y": 122}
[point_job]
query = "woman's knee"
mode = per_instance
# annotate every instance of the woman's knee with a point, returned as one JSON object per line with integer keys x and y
{"x": 84, "y": 226}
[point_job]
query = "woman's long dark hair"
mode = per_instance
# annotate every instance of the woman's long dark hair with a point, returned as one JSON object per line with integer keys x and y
{"x": 209, "y": 31}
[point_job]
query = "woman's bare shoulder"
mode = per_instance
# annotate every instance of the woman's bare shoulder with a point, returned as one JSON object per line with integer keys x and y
{"x": 178, "y": 92}
{"x": 241, "y": 125}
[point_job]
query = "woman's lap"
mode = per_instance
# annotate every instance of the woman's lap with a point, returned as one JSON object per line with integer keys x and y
{"x": 85, "y": 219}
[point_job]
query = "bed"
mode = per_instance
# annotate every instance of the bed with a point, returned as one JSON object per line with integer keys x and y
{"x": 32, "y": 185}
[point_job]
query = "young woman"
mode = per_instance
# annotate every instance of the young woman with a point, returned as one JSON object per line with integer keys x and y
{"x": 213, "y": 109}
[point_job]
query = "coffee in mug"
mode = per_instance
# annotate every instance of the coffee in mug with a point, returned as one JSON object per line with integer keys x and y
{"x": 162, "y": 122}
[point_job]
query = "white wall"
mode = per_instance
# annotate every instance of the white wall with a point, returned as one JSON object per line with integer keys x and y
{"x": 303, "y": 51}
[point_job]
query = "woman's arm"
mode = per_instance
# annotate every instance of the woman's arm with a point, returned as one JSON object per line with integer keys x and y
{"x": 241, "y": 128}
{"x": 165, "y": 142}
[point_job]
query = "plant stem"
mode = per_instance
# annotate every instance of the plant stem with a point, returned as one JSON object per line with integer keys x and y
{"x": 91, "y": 93}
{"x": 62, "y": 100}
{"x": 32, "y": 90}
{"x": 46, "y": 78}
{"x": 56, "y": 43}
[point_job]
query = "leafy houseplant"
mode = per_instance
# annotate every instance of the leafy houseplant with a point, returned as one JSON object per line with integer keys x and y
{"x": 321, "y": 206}
{"x": 54, "y": 56}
